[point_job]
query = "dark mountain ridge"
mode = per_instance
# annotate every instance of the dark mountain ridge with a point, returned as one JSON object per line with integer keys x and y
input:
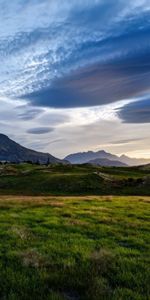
{"x": 13, "y": 152}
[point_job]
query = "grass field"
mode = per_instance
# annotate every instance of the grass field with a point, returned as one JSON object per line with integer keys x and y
{"x": 74, "y": 248}
{"x": 27, "y": 179}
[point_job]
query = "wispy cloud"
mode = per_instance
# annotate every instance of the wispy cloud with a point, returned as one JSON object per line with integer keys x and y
{"x": 43, "y": 41}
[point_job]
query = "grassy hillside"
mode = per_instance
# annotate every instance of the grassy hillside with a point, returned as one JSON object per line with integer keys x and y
{"x": 28, "y": 179}
{"x": 74, "y": 248}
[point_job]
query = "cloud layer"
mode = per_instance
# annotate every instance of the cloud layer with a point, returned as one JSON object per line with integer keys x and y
{"x": 44, "y": 42}
{"x": 69, "y": 69}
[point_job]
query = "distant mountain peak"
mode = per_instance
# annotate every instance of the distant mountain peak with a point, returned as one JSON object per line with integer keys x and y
{"x": 124, "y": 156}
{"x": 85, "y": 157}
{"x": 102, "y": 151}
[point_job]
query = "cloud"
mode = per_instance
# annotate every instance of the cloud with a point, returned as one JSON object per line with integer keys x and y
{"x": 28, "y": 113}
{"x": 126, "y": 141}
{"x": 40, "y": 130}
{"x": 97, "y": 84}
{"x": 54, "y": 118}
{"x": 44, "y": 42}
{"x": 91, "y": 128}
{"x": 136, "y": 112}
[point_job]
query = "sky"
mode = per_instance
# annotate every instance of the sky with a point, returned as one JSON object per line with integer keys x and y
{"x": 75, "y": 75}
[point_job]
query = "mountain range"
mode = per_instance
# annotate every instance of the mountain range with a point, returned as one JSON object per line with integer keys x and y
{"x": 101, "y": 156}
{"x": 13, "y": 152}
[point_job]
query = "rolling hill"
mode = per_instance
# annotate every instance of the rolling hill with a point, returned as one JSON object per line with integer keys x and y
{"x": 85, "y": 179}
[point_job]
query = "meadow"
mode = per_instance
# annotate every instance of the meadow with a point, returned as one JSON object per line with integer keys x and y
{"x": 74, "y": 248}
{"x": 29, "y": 179}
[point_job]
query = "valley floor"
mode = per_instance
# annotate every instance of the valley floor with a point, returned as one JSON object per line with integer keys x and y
{"x": 74, "y": 248}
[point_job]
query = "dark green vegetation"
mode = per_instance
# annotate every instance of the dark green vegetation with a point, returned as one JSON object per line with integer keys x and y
{"x": 74, "y": 248}
{"x": 28, "y": 179}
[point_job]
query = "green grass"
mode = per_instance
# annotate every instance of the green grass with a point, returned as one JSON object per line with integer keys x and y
{"x": 74, "y": 248}
{"x": 27, "y": 179}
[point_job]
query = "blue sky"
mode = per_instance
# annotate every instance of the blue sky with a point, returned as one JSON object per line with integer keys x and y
{"x": 75, "y": 75}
